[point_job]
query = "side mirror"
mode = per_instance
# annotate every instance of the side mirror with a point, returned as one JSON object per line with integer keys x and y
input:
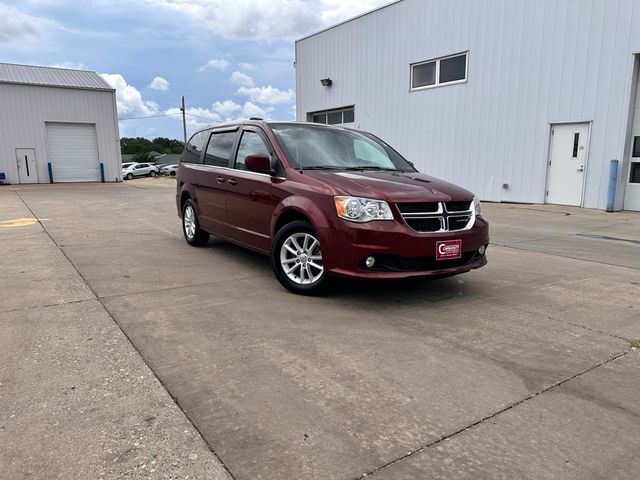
{"x": 258, "y": 162}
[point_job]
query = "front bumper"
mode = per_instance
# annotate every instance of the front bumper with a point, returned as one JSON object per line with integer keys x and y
{"x": 400, "y": 252}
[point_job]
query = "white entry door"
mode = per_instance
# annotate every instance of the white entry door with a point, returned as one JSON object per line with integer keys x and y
{"x": 26, "y": 160}
{"x": 567, "y": 163}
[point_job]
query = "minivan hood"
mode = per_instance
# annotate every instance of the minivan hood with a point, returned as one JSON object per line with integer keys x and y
{"x": 392, "y": 186}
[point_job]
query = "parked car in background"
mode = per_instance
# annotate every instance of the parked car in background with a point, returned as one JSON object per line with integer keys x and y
{"x": 127, "y": 165}
{"x": 325, "y": 201}
{"x": 169, "y": 170}
{"x": 139, "y": 170}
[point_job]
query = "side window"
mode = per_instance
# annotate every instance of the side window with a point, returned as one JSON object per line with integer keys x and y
{"x": 219, "y": 149}
{"x": 250, "y": 143}
{"x": 194, "y": 147}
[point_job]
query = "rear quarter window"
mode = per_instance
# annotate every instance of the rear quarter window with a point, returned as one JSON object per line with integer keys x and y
{"x": 219, "y": 149}
{"x": 194, "y": 148}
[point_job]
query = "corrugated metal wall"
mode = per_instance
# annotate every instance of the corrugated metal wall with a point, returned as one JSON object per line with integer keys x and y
{"x": 531, "y": 63}
{"x": 25, "y": 109}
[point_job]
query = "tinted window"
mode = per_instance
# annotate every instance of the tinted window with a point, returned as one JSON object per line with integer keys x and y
{"x": 634, "y": 177}
{"x": 453, "y": 69}
{"x": 219, "y": 149}
{"x": 334, "y": 118}
{"x": 348, "y": 116}
{"x": 320, "y": 118}
{"x": 250, "y": 143}
{"x": 194, "y": 147}
{"x": 424, "y": 75}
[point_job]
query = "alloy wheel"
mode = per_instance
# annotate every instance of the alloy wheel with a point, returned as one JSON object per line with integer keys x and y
{"x": 301, "y": 258}
{"x": 189, "y": 219}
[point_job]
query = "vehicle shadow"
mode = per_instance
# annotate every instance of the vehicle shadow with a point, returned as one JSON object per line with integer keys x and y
{"x": 411, "y": 291}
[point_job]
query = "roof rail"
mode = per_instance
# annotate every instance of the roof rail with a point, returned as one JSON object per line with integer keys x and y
{"x": 256, "y": 118}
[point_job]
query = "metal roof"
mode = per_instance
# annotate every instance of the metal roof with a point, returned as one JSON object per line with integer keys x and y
{"x": 52, "y": 77}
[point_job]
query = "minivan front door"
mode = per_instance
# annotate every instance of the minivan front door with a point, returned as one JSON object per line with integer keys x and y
{"x": 250, "y": 202}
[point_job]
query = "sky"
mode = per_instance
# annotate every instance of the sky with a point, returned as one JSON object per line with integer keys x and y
{"x": 229, "y": 58}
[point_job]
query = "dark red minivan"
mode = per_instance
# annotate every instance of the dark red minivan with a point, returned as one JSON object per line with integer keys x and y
{"x": 325, "y": 201}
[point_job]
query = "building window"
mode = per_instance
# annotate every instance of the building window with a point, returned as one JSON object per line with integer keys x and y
{"x": 634, "y": 174}
{"x": 636, "y": 147}
{"x": 340, "y": 116}
{"x": 439, "y": 71}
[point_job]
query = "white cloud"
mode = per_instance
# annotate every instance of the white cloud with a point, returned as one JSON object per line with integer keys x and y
{"x": 70, "y": 65}
{"x": 159, "y": 83}
{"x": 217, "y": 63}
{"x": 239, "y": 78}
{"x": 128, "y": 97}
{"x": 220, "y": 111}
{"x": 267, "y": 19}
{"x": 227, "y": 108}
{"x": 17, "y": 27}
{"x": 268, "y": 95}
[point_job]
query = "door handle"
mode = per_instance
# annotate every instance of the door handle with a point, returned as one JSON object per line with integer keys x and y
{"x": 220, "y": 179}
{"x": 233, "y": 181}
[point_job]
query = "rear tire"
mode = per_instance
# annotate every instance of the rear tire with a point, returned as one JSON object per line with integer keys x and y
{"x": 296, "y": 259}
{"x": 193, "y": 234}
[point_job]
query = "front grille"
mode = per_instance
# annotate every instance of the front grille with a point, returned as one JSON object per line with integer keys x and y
{"x": 458, "y": 206}
{"x": 430, "y": 207}
{"x": 437, "y": 216}
{"x": 425, "y": 224}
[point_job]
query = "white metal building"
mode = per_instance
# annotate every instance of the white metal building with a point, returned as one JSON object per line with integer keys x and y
{"x": 57, "y": 125}
{"x": 517, "y": 100}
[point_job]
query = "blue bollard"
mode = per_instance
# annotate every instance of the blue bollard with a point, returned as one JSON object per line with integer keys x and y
{"x": 102, "y": 172}
{"x": 613, "y": 183}
{"x": 50, "y": 172}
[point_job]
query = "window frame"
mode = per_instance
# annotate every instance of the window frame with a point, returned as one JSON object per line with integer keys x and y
{"x": 326, "y": 113}
{"x": 232, "y": 153}
{"x": 437, "y": 78}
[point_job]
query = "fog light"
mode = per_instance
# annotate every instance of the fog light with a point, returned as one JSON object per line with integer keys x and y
{"x": 370, "y": 262}
{"x": 482, "y": 249}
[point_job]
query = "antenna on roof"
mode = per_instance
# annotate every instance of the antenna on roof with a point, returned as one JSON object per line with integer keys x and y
{"x": 255, "y": 118}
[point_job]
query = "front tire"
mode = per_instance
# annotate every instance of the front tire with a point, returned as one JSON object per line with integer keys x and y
{"x": 296, "y": 259}
{"x": 152, "y": 173}
{"x": 130, "y": 176}
{"x": 193, "y": 234}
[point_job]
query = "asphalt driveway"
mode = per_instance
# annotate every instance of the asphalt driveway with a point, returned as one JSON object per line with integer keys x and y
{"x": 523, "y": 369}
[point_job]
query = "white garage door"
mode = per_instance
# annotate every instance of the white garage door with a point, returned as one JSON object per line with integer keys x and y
{"x": 73, "y": 152}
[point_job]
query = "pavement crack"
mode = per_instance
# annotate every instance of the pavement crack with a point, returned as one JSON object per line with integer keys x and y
{"x": 48, "y": 305}
{"x": 99, "y": 299}
{"x": 493, "y": 415}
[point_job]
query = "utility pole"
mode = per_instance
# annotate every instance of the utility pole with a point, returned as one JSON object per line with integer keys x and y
{"x": 184, "y": 122}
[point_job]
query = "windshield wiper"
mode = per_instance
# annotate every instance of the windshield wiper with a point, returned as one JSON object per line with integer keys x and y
{"x": 372, "y": 167}
{"x": 324, "y": 167}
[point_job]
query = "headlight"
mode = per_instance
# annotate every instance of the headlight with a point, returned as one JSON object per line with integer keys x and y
{"x": 476, "y": 206}
{"x": 362, "y": 210}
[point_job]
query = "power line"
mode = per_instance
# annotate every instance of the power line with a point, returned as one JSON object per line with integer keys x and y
{"x": 201, "y": 117}
{"x": 151, "y": 116}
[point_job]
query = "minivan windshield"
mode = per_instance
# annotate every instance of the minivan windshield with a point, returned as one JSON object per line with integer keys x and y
{"x": 312, "y": 147}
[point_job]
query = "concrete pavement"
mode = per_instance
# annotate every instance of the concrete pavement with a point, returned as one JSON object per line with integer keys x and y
{"x": 522, "y": 369}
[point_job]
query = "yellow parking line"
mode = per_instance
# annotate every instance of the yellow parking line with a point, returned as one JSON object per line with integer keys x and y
{"x": 18, "y": 222}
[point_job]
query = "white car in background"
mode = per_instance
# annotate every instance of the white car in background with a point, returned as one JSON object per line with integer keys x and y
{"x": 139, "y": 170}
{"x": 169, "y": 170}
